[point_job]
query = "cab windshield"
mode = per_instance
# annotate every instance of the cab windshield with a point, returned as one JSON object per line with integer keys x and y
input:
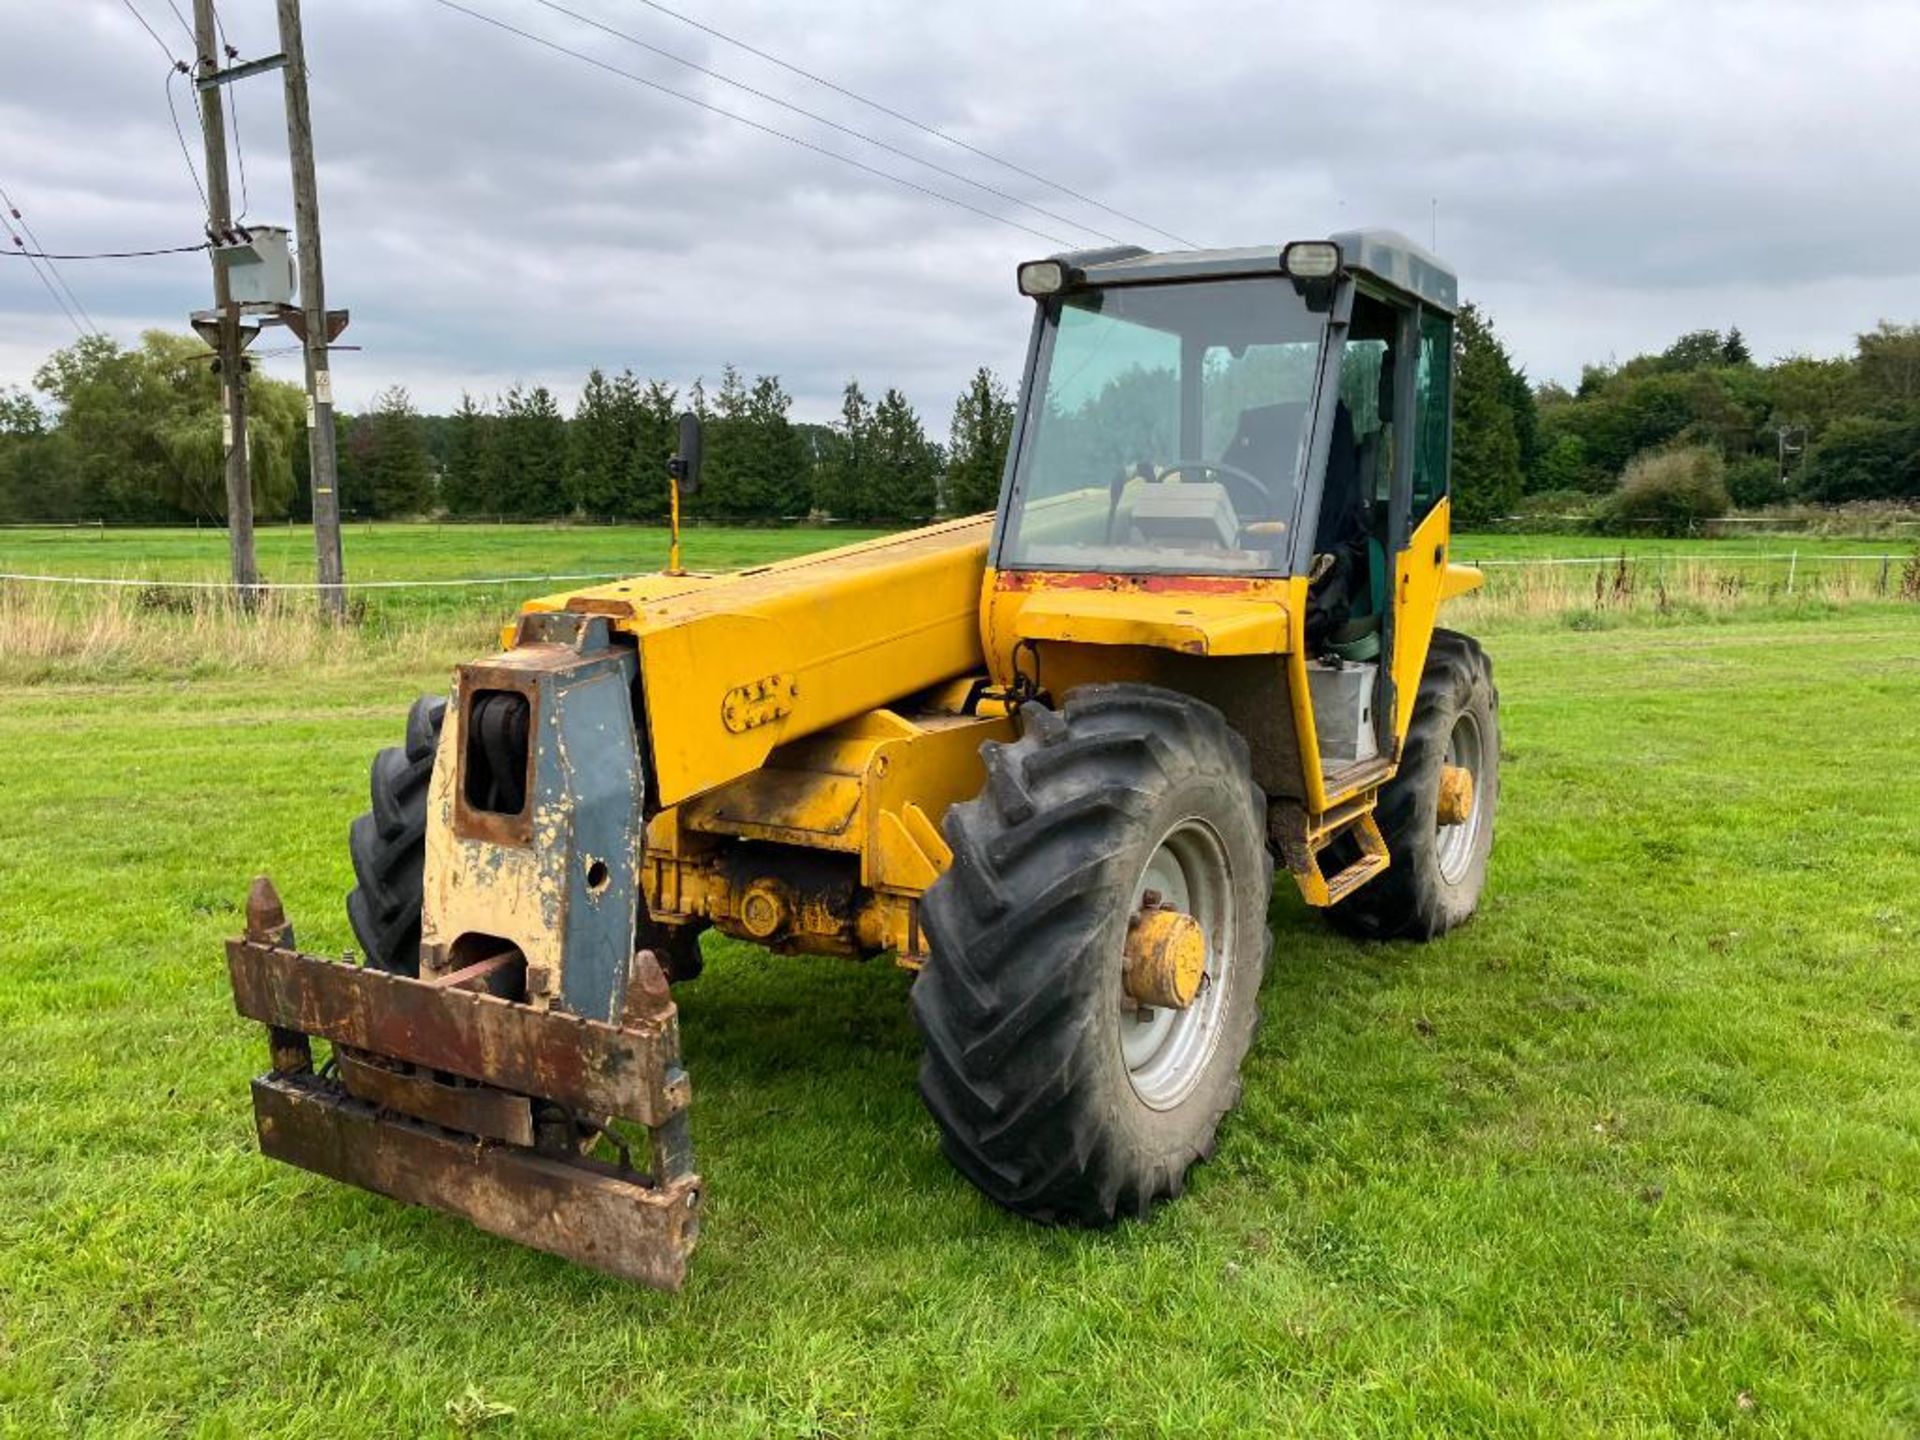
{"x": 1167, "y": 430}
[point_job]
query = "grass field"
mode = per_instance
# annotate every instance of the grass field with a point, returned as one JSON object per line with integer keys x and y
{"x": 404, "y": 551}
{"x": 441, "y": 552}
{"x": 423, "y": 593}
{"x": 1637, "y": 1151}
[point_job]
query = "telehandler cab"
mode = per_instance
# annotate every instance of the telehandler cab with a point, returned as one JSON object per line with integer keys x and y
{"x": 1046, "y": 758}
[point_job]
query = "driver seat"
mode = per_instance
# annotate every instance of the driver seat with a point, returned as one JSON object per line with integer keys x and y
{"x": 1265, "y": 443}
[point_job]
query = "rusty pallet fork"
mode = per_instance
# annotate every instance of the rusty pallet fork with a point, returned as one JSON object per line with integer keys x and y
{"x": 445, "y": 1094}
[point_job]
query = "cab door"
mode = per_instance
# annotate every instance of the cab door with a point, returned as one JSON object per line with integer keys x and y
{"x": 1419, "y": 516}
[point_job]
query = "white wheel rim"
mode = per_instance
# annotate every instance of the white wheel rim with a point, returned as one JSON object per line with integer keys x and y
{"x": 1167, "y": 1050}
{"x": 1456, "y": 843}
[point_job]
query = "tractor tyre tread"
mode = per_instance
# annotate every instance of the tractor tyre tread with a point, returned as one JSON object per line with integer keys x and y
{"x": 1411, "y": 900}
{"x": 388, "y": 845}
{"x": 1021, "y": 1067}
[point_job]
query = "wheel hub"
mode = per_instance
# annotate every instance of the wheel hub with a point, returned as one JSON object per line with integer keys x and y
{"x": 1166, "y": 957}
{"x": 1457, "y": 815}
{"x": 1456, "y": 795}
{"x": 1174, "y": 964}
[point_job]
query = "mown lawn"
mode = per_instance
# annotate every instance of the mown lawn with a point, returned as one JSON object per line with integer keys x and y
{"x": 1637, "y": 1151}
{"x": 441, "y": 552}
{"x": 407, "y": 551}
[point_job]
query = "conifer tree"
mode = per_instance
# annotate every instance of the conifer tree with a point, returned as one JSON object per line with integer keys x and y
{"x": 595, "y": 472}
{"x": 463, "y": 489}
{"x": 905, "y": 464}
{"x": 654, "y": 435}
{"x": 982, "y": 430}
{"x": 842, "y": 481}
{"x": 531, "y": 457}
{"x": 1486, "y": 436}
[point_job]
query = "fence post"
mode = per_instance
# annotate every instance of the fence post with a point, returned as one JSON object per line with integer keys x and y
{"x": 1886, "y": 564}
{"x": 1793, "y": 564}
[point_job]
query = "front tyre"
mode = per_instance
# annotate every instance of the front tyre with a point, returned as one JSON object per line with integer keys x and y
{"x": 389, "y": 845}
{"x": 1058, "y": 1090}
{"x": 1438, "y": 856}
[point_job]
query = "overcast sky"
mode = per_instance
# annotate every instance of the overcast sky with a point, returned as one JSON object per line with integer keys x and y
{"x": 1604, "y": 176}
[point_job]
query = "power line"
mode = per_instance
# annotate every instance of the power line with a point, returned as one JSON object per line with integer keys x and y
{"x": 111, "y": 254}
{"x": 171, "y": 57}
{"x": 184, "y": 25}
{"x": 233, "y": 113}
{"x": 919, "y": 125}
{"x": 239, "y": 155}
{"x": 46, "y": 283}
{"x": 185, "y": 154}
{"x": 744, "y": 120}
{"x": 175, "y": 66}
{"x": 207, "y": 357}
{"x": 240, "y": 159}
{"x": 41, "y": 256}
{"x": 820, "y": 119}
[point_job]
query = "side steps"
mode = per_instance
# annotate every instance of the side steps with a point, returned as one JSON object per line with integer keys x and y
{"x": 1301, "y": 840}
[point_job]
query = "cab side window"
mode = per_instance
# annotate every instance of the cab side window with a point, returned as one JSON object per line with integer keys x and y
{"x": 1433, "y": 400}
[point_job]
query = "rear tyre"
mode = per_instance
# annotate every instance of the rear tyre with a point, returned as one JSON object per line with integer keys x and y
{"x": 1437, "y": 871}
{"x": 1053, "y": 1091}
{"x": 676, "y": 947}
{"x": 389, "y": 845}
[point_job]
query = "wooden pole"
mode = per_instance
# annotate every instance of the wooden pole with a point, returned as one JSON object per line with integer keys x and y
{"x": 330, "y": 568}
{"x": 233, "y": 374}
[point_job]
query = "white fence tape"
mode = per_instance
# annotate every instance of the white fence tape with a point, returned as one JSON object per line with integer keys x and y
{"x": 130, "y": 582}
{"x": 1723, "y": 559}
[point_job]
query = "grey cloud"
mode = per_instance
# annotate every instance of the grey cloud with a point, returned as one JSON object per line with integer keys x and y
{"x": 1607, "y": 174}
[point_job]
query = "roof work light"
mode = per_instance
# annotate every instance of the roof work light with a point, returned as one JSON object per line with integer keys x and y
{"x": 1311, "y": 259}
{"x": 1039, "y": 278}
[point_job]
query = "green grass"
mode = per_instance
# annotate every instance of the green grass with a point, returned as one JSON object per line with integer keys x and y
{"x": 1688, "y": 580}
{"x": 406, "y": 552}
{"x": 440, "y": 552}
{"x": 1472, "y": 547}
{"x": 1636, "y": 1151}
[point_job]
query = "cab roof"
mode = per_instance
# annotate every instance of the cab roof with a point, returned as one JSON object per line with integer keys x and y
{"x": 1383, "y": 255}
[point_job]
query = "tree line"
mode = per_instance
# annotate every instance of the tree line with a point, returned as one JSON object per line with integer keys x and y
{"x": 1801, "y": 429}
{"x": 134, "y": 434}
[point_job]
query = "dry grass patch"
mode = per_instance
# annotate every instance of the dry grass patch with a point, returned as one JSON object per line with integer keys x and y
{"x": 1658, "y": 585}
{"x": 56, "y": 633}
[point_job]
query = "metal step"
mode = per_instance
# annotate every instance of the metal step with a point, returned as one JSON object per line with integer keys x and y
{"x": 1301, "y": 840}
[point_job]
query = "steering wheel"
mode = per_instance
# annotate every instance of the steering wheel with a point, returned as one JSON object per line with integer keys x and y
{"x": 1248, "y": 492}
{"x": 1219, "y": 467}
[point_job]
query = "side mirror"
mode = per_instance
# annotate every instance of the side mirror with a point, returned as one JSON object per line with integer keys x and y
{"x": 684, "y": 467}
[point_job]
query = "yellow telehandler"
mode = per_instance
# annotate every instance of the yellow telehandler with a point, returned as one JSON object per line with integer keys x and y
{"x": 1047, "y": 758}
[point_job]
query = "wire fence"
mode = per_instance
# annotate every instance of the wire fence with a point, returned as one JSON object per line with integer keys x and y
{"x": 1657, "y": 561}
{"x": 133, "y": 582}
{"x": 1713, "y": 557}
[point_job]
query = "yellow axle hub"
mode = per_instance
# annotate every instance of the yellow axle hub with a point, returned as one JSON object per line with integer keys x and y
{"x": 1456, "y": 795}
{"x": 1166, "y": 957}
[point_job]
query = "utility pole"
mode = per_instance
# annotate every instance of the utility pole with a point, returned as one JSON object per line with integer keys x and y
{"x": 233, "y": 374}
{"x": 1783, "y": 432}
{"x": 316, "y": 334}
